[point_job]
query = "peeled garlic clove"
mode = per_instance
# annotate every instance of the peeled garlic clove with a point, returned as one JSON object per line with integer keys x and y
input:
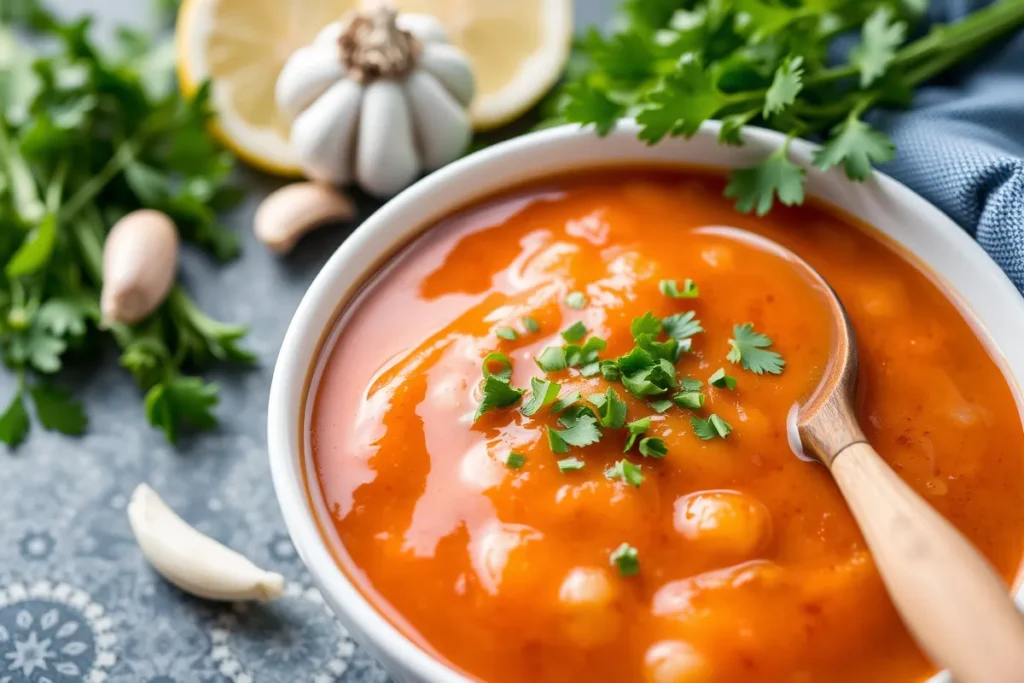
{"x": 442, "y": 126}
{"x": 140, "y": 258}
{"x": 305, "y": 76}
{"x": 193, "y": 562}
{"x": 427, "y": 28}
{"x": 290, "y": 212}
{"x": 322, "y": 136}
{"x": 386, "y": 159}
{"x": 448, "y": 64}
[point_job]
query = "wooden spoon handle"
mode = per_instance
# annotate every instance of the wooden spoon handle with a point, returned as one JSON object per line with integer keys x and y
{"x": 952, "y": 601}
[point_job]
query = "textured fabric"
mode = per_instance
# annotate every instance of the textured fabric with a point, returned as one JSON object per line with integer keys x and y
{"x": 961, "y": 146}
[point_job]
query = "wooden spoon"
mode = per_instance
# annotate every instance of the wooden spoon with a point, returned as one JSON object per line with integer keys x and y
{"x": 950, "y": 598}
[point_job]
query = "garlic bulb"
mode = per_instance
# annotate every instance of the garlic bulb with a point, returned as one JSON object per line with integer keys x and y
{"x": 192, "y": 561}
{"x": 377, "y": 98}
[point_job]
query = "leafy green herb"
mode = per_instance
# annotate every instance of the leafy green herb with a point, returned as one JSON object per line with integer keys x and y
{"x": 661, "y": 405}
{"x": 690, "y": 384}
{"x": 506, "y": 333}
{"x": 585, "y": 357}
{"x": 669, "y": 349}
{"x": 496, "y": 394}
{"x": 690, "y": 400}
{"x": 721, "y": 380}
{"x": 570, "y": 464}
{"x": 87, "y": 136}
{"x": 515, "y": 461}
{"x": 653, "y": 447}
{"x": 749, "y": 348}
{"x": 610, "y": 410}
{"x": 625, "y": 471}
{"x": 670, "y": 289}
{"x": 552, "y": 359}
{"x": 610, "y": 370}
{"x": 636, "y": 428}
{"x": 571, "y": 415}
{"x": 682, "y": 326}
{"x": 676, "y": 65}
{"x": 574, "y": 332}
{"x": 505, "y": 370}
{"x": 710, "y": 428}
{"x": 626, "y": 559}
{"x": 565, "y": 402}
{"x": 531, "y": 325}
{"x": 645, "y": 324}
{"x": 583, "y": 432}
{"x": 576, "y": 300}
{"x": 542, "y": 392}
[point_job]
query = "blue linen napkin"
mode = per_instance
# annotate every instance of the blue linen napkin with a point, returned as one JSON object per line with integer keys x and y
{"x": 961, "y": 145}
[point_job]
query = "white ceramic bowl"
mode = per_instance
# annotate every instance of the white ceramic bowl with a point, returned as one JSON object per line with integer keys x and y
{"x": 958, "y": 262}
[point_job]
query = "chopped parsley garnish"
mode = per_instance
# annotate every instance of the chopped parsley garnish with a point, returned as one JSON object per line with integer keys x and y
{"x": 669, "y": 349}
{"x": 610, "y": 410}
{"x": 531, "y": 324}
{"x": 490, "y": 359}
{"x": 610, "y": 370}
{"x": 710, "y": 428}
{"x": 571, "y": 414}
{"x": 570, "y": 464}
{"x": 506, "y": 333}
{"x": 583, "y": 432}
{"x": 574, "y": 332}
{"x": 542, "y": 392}
{"x": 496, "y": 394}
{"x": 655, "y": 379}
{"x": 661, "y": 405}
{"x": 749, "y": 348}
{"x": 552, "y": 359}
{"x": 682, "y": 325}
{"x": 514, "y": 461}
{"x": 653, "y": 447}
{"x": 626, "y": 560}
{"x": 690, "y": 384}
{"x": 645, "y": 324}
{"x": 636, "y": 428}
{"x": 670, "y": 289}
{"x": 691, "y": 400}
{"x": 565, "y": 402}
{"x": 576, "y": 300}
{"x": 627, "y": 472}
{"x": 585, "y": 357}
{"x": 721, "y": 380}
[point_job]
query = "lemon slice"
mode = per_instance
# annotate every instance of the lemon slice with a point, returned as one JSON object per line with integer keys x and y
{"x": 242, "y": 45}
{"x": 517, "y": 47}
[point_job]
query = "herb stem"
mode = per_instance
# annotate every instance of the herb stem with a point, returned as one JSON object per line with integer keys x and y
{"x": 94, "y": 185}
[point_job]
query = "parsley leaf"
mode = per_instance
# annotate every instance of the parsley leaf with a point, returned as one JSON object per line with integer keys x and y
{"x": 757, "y": 186}
{"x": 574, "y": 332}
{"x": 690, "y": 400}
{"x": 671, "y": 290}
{"x": 531, "y": 324}
{"x": 645, "y": 324}
{"x": 690, "y": 384}
{"x": 57, "y": 411}
{"x": 515, "y": 461}
{"x": 880, "y": 36}
{"x": 576, "y": 300}
{"x": 625, "y": 558}
{"x": 542, "y": 392}
{"x": 496, "y": 394}
{"x": 565, "y": 402}
{"x": 505, "y": 370}
{"x": 610, "y": 410}
{"x": 721, "y": 380}
{"x": 182, "y": 401}
{"x": 14, "y": 422}
{"x": 552, "y": 359}
{"x": 682, "y": 101}
{"x": 653, "y": 447}
{"x": 636, "y": 428}
{"x": 710, "y": 428}
{"x": 749, "y": 349}
{"x": 856, "y": 145}
{"x": 583, "y": 432}
{"x": 506, "y": 333}
{"x": 681, "y": 325}
{"x": 625, "y": 471}
{"x": 610, "y": 370}
{"x": 661, "y": 405}
{"x": 588, "y": 105}
{"x": 786, "y": 85}
{"x": 570, "y": 464}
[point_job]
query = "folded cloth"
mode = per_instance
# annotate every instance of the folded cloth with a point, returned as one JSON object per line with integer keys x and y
{"x": 961, "y": 145}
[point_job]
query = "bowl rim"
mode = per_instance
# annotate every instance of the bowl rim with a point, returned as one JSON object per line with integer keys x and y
{"x": 296, "y": 362}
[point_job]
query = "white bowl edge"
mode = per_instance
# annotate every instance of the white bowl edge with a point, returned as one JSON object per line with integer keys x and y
{"x": 963, "y": 267}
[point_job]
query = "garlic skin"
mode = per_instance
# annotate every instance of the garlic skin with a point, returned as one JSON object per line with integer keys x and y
{"x": 140, "y": 260}
{"x": 192, "y": 561}
{"x": 376, "y": 99}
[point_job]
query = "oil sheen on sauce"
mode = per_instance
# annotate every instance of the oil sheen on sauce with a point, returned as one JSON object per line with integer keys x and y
{"x": 751, "y": 568}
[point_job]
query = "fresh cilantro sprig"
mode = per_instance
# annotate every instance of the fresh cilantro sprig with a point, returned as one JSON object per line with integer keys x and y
{"x": 87, "y": 136}
{"x": 675, "y": 65}
{"x": 750, "y": 350}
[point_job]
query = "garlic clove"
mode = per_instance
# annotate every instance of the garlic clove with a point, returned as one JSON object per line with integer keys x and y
{"x": 305, "y": 76}
{"x": 427, "y": 28}
{"x": 140, "y": 259}
{"x": 323, "y": 135}
{"x": 386, "y": 159}
{"x": 293, "y": 210}
{"x": 330, "y": 34}
{"x": 450, "y": 66}
{"x": 192, "y": 561}
{"x": 442, "y": 126}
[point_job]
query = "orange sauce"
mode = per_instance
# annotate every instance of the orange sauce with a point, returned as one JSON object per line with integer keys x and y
{"x": 751, "y": 568}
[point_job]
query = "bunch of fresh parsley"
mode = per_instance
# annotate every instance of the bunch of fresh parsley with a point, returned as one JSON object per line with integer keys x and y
{"x": 674, "y": 64}
{"x": 86, "y": 137}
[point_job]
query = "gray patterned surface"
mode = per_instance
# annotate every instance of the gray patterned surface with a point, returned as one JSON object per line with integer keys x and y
{"x": 77, "y": 600}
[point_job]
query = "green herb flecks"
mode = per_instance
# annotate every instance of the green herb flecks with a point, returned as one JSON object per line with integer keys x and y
{"x": 626, "y": 559}
{"x": 710, "y": 428}
{"x": 749, "y": 348}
